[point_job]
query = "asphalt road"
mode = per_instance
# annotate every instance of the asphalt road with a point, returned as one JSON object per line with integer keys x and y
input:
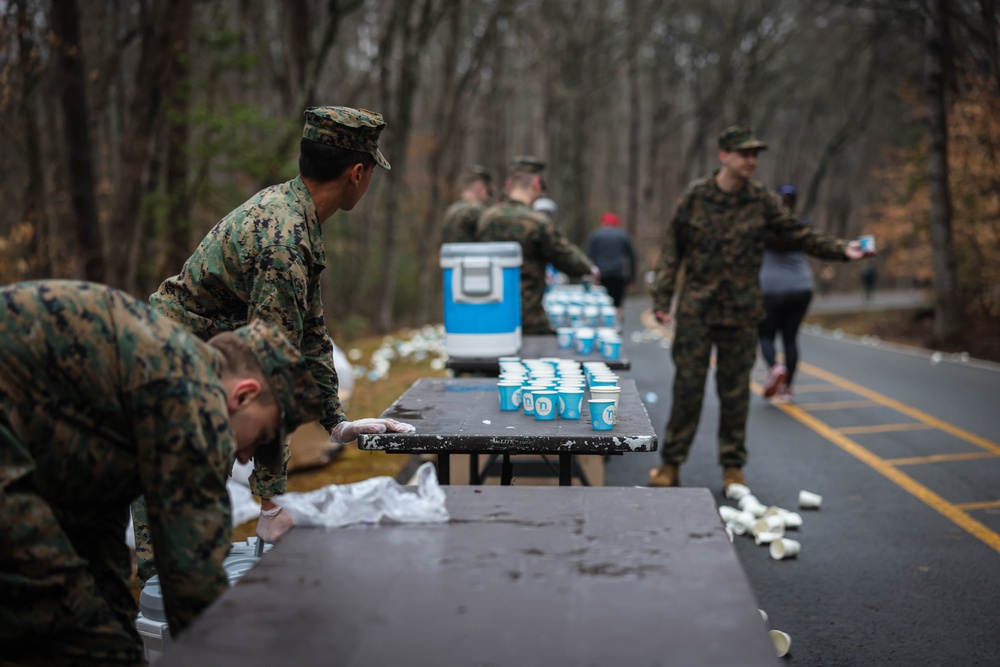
{"x": 899, "y": 566}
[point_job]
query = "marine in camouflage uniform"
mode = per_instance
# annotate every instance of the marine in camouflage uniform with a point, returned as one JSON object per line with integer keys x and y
{"x": 718, "y": 237}
{"x": 461, "y": 217}
{"x": 540, "y": 239}
{"x": 102, "y": 399}
{"x": 263, "y": 261}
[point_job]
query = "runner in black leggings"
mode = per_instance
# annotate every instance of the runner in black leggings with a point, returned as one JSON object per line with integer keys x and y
{"x": 787, "y": 284}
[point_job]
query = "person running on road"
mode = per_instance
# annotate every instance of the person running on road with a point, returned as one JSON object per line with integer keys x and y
{"x": 786, "y": 282}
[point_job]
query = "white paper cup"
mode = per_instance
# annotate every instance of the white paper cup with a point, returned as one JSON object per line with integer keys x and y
{"x": 743, "y": 523}
{"x": 785, "y": 548}
{"x": 737, "y": 491}
{"x": 749, "y": 503}
{"x": 728, "y": 513}
{"x": 769, "y": 524}
{"x": 782, "y": 642}
{"x": 809, "y": 500}
{"x": 613, "y": 393}
{"x": 609, "y": 393}
{"x": 765, "y": 538}
{"x": 793, "y": 520}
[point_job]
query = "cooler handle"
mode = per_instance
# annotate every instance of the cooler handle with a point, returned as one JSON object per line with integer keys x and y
{"x": 477, "y": 281}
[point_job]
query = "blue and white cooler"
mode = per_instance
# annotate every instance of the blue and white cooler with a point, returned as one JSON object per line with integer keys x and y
{"x": 482, "y": 299}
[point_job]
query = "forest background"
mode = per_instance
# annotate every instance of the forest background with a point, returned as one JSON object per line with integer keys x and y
{"x": 130, "y": 127}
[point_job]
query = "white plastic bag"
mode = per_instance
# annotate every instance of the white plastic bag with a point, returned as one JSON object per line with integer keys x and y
{"x": 369, "y": 501}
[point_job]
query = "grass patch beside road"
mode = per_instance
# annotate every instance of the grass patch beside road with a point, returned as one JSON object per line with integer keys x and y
{"x": 915, "y": 327}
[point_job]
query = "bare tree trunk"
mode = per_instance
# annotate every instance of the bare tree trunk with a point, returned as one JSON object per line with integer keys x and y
{"x": 178, "y": 223}
{"x": 76, "y": 131}
{"x": 34, "y": 194}
{"x": 449, "y": 121}
{"x": 946, "y": 312}
{"x": 444, "y": 119}
{"x": 988, "y": 13}
{"x": 416, "y": 31}
{"x": 634, "y": 152}
{"x": 309, "y": 70}
{"x": 144, "y": 112}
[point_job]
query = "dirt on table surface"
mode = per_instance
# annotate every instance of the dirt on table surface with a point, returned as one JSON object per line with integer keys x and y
{"x": 980, "y": 337}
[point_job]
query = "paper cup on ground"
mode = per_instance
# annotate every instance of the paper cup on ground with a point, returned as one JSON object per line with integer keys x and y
{"x": 751, "y": 504}
{"x": 792, "y": 520}
{"x": 728, "y": 514}
{"x": 765, "y": 538}
{"x": 785, "y": 548}
{"x": 602, "y": 414}
{"x": 782, "y": 642}
{"x": 510, "y": 395}
{"x": 545, "y": 405}
{"x": 809, "y": 500}
{"x": 769, "y": 524}
{"x": 743, "y": 523}
{"x": 737, "y": 491}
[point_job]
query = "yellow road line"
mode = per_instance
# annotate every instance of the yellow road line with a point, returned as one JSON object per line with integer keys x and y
{"x": 810, "y": 388}
{"x": 838, "y": 405}
{"x": 884, "y": 428}
{"x": 922, "y": 493}
{"x": 933, "y": 422}
{"x": 939, "y": 458}
{"x": 989, "y": 504}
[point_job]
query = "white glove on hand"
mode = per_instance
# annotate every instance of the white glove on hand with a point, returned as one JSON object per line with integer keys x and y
{"x": 273, "y": 523}
{"x": 346, "y": 432}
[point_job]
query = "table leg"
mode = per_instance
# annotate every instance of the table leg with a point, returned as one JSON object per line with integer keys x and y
{"x": 565, "y": 469}
{"x": 444, "y": 468}
{"x": 506, "y": 471}
{"x": 474, "y": 470}
{"x": 579, "y": 472}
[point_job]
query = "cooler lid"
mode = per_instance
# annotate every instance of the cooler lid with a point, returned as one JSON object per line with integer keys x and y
{"x": 502, "y": 253}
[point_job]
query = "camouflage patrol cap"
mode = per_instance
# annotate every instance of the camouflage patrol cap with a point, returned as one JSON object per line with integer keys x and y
{"x": 738, "y": 138}
{"x": 480, "y": 172}
{"x": 527, "y": 164}
{"x": 344, "y": 127}
{"x": 292, "y": 384}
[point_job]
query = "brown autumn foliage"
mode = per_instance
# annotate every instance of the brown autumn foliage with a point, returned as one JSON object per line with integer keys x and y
{"x": 901, "y": 221}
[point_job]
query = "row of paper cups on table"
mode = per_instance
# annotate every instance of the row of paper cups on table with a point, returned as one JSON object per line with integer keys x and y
{"x": 586, "y": 340}
{"x": 545, "y": 388}
{"x": 580, "y": 309}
